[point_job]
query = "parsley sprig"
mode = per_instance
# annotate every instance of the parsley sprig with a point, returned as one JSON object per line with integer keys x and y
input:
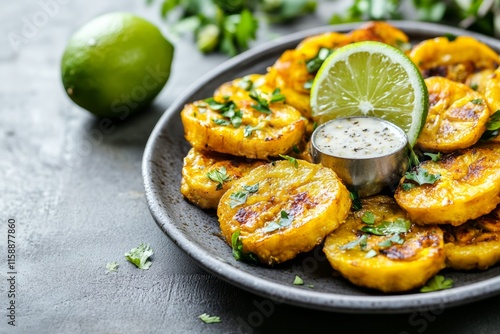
{"x": 220, "y": 176}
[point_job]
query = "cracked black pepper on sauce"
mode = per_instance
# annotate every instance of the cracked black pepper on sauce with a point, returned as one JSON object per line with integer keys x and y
{"x": 359, "y": 137}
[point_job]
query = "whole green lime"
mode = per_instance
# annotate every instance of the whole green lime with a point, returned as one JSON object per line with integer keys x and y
{"x": 116, "y": 64}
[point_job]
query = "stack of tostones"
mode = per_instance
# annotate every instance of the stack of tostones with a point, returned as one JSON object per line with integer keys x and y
{"x": 249, "y": 161}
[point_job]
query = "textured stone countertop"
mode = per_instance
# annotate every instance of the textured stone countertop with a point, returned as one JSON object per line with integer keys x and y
{"x": 79, "y": 203}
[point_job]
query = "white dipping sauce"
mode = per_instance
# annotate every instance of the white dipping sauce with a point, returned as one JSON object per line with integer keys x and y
{"x": 359, "y": 138}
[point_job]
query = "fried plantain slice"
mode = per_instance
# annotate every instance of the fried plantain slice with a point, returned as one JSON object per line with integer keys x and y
{"x": 281, "y": 210}
{"x": 468, "y": 187}
{"x": 243, "y": 126}
{"x": 457, "y": 116}
{"x": 475, "y": 244}
{"x": 207, "y": 175}
{"x": 456, "y": 59}
{"x": 402, "y": 258}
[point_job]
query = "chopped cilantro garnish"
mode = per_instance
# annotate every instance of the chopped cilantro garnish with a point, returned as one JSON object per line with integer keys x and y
{"x": 492, "y": 126}
{"x": 112, "y": 266}
{"x": 437, "y": 283}
{"x": 221, "y": 121}
{"x": 371, "y": 253}
{"x": 252, "y": 189}
{"x": 295, "y": 149}
{"x": 361, "y": 241}
{"x": 474, "y": 86}
{"x": 209, "y": 319}
{"x": 421, "y": 176}
{"x": 477, "y": 101}
{"x": 368, "y": 218}
{"x": 433, "y": 156}
{"x": 240, "y": 197}
{"x": 284, "y": 221}
{"x": 356, "y": 201}
{"x": 298, "y": 280}
{"x": 315, "y": 63}
{"x": 220, "y": 176}
{"x": 291, "y": 160}
{"x": 395, "y": 239}
{"x": 249, "y": 129}
{"x": 276, "y": 96}
{"x": 450, "y": 37}
{"x": 139, "y": 256}
{"x": 246, "y": 84}
{"x": 237, "y": 247}
{"x": 227, "y": 109}
{"x": 399, "y": 225}
{"x": 262, "y": 104}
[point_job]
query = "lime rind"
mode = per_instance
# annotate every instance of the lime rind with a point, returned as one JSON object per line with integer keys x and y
{"x": 371, "y": 79}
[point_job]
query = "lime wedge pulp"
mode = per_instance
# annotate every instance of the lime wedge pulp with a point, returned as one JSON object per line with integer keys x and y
{"x": 371, "y": 79}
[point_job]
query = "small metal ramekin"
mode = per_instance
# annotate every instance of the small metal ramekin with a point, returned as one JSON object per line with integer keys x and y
{"x": 366, "y": 176}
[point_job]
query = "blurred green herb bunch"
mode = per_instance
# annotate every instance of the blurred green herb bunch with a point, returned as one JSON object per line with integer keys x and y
{"x": 229, "y": 25}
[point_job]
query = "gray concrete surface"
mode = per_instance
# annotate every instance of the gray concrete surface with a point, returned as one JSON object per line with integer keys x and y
{"x": 78, "y": 202}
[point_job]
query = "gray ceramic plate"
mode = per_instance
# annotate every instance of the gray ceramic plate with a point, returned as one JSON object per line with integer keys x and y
{"x": 197, "y": 232}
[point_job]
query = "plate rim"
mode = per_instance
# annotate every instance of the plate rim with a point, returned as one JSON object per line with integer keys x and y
{"x": 285, "y": 293}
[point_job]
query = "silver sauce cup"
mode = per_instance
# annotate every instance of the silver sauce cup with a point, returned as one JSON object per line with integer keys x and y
{"x": 365, "y": 175}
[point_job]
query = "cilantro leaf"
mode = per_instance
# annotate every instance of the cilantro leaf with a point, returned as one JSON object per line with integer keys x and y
{"x": 276, "y": 96}
{"x": 408, "y": 186}
{"x": 356, "y": 201}
{"x": 492, "y": 126}
{"x": 395, "y": 239}
{"x": 220, "y": 176}
{"x": 308, "y": 84}
{"x": 298, "y": 280}
{"x": 434, "y": 157}
{"x": 139, "y": 256}
{"x": 252, "y": 189}
{"x": 209, "y": 319}
{"x": 246, "y": 84}
{"x": 262, "y": 104}
{"x": 397, "y": 226}
{"x": 368, "y": 218}
{"x": 285, "y": 220}
{"x": 315, "y": 63}
{"x": 238, "y": 253}
{"x": 437, "y": 283}
{"x": 477, "y": 101}
{"x": 371, "y": 253}
{"x": 422, "y": 176}
{"x": 238, "y": 198}
{"x": 248, "y": 130}
{"x": 361, "y": 241}
{"x": 112, "y": 266}
{"x": 227, "y": 109}
{"x": 291, "y": 160}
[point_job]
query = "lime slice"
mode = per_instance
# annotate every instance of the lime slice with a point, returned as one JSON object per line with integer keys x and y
{"x": 371, "y": 79}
